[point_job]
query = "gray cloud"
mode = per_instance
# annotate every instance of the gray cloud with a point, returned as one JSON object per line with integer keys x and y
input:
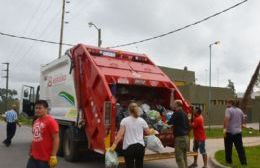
{"x": 127, "y": 21}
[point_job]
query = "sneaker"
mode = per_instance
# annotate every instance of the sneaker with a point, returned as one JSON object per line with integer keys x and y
{"x": 204, "y": 167}
{"x": 193, "y": 165}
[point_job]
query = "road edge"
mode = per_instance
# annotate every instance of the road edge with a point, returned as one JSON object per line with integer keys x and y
{"x": 215, "y": 163}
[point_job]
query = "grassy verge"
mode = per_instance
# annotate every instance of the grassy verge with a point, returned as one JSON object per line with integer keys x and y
{"x": 22, "y": 120}
{"x": 252, "y": 154}
{"x": 25, "y": 121}
{"x": 218, "y": 132}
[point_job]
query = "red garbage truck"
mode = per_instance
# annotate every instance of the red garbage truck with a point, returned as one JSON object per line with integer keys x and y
{"x": 85, "y": 87}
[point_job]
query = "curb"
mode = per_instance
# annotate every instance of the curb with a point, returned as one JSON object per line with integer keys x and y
{"x": 215, "y": 163}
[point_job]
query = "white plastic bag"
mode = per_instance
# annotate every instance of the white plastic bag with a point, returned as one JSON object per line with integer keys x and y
{"x": 145, "y": 107}
{"x": 153, "y": 143}
{"x": 111, "y": 159}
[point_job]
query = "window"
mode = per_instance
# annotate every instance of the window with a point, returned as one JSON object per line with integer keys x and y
{"x": 201, "y": 106}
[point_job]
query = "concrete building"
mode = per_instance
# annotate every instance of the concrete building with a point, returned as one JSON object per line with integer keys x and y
{"x": 198, "y": 95}
{"x": 180, "y": 77}
{"x": 253, "y": 108}
{"x": 254, "y": 113}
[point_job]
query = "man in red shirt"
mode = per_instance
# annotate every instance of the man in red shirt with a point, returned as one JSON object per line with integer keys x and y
{"x": 45, "y": 141}
{"x": 199, "y": 138}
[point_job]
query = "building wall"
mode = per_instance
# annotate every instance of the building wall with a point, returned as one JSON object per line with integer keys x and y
{"x": 178, "y": 76}
{"x": 256, "y": 110}
{"x": 199, "y": 96}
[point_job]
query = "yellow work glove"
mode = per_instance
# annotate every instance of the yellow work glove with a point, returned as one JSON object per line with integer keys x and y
{"x": 113, "y": 148}
{"x": 53, "y": 161}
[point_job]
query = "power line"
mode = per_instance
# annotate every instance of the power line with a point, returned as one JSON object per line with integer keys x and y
{"x": 181, "y": 28}
{"x": 26, "y": 53}
{"x": 33, "y": 39}
{"x": 127, "y": 44}
{"x": 37, "y": 9}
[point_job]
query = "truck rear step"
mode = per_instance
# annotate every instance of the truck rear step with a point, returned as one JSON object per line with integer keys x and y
{"x": 157, "y": 156}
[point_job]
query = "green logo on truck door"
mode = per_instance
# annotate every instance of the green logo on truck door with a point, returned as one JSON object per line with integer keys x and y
{"x": 69, "y": 98}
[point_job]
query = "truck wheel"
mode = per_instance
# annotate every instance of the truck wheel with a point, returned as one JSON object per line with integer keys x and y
{"x": 61, "y": 135}
{"x": 70, "y": 145}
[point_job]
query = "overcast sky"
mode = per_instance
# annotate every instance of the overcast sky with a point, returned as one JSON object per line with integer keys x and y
{"x": 124, "y": 21}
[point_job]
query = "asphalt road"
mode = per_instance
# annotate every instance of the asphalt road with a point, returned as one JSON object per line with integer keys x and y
{"x": 16, "y": 155}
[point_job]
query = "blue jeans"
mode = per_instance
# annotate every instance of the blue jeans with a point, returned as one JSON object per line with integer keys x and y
{"x": 33, "y": 163}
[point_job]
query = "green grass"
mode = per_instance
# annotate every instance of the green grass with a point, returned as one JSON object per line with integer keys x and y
{"x": 218, "y": 132}
{"x": 22, "y": 120}
{"x": 25, "y": 121}
{"x": 252, "y": 154}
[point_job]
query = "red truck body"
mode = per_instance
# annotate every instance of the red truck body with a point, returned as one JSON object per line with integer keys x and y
{"x": 97, "y": 71}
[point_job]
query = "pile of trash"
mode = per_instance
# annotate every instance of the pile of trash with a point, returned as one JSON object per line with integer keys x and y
{"x": 156, "y": 117}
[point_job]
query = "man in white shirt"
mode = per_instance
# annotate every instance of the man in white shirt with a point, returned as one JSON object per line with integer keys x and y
{"x": 233, "y": 132}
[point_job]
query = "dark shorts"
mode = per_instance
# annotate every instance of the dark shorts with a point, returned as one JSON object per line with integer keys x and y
{"x": 199, "y": 145}
{"x": 33, "y": 163}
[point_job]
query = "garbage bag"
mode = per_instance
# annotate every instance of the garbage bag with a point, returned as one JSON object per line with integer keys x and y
{"x": 161, "y": 126}
{"x": 169, "y": 115}
{"x": 153, "y": 143}
{"x": 145, "y": 107}
{"x": 111, "y": 159}
{"x": 141, "y": 112}
{"x": 154, "y": 115}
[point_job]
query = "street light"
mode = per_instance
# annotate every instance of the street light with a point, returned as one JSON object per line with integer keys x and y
{"x": 99, "y": 32}
{"x": 209, "y": 110}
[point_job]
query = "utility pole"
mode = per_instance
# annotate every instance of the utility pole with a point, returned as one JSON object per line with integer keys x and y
{"x": 99, "y": 38}
{"x": 61, "y": 29}
{"x": 7, "y": 81}
{"x": 99, "y": 33}
{"x": 209, "y": 101}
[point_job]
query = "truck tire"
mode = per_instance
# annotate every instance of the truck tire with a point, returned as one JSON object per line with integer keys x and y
{"x": 70, "y": 145}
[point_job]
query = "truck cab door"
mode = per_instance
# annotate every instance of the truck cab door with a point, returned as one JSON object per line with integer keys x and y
{"x": 27, "y": 100}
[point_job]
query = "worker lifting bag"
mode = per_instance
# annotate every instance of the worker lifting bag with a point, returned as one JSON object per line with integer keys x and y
{"x": 111, "y": 159}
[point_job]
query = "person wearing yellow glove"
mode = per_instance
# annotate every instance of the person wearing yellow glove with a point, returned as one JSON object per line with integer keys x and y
{"x": 131, "y": 130}
{"x": 53, "y": 161}
{"x": 45, "y": 141}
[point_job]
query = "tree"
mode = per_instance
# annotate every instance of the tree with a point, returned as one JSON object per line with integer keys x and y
{"x": 231, "y": 86}
{"x": 258, "y": 82}
{"x": 7, "y": 101}
{"x": 250, "y": 88}
{"x": 11, "y": 94}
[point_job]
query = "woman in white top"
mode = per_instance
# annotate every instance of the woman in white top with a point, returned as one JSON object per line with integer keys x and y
{"x": 132, "y": 129}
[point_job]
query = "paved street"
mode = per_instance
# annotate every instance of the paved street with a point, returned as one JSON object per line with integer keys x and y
{"x": 17, "y": 154}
